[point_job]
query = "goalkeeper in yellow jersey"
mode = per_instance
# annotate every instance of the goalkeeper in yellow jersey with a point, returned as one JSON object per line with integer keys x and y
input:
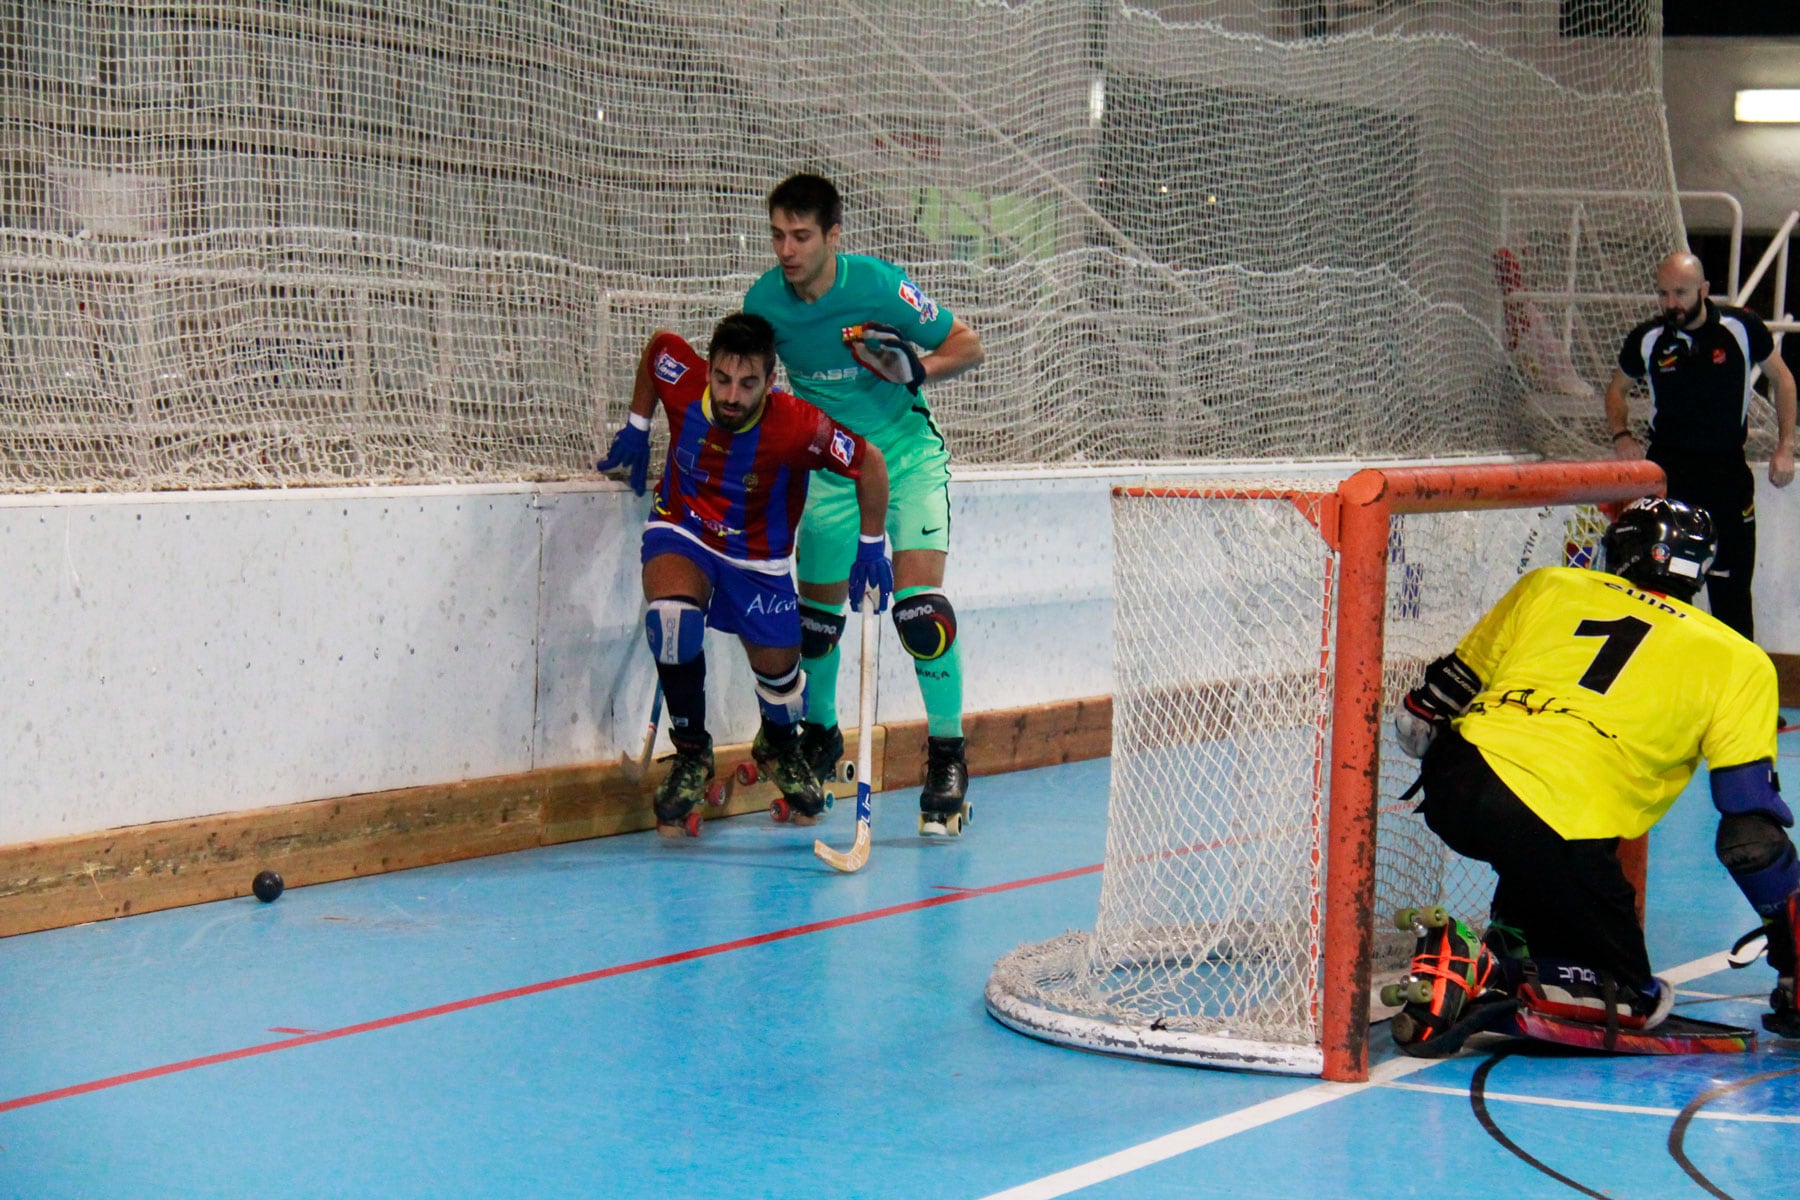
{"x": 1572, "y": 716}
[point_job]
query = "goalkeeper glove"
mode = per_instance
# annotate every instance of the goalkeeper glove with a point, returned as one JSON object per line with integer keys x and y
{"x": 883, "y": 350}
{"x": 630, "y": 451}
{"x": 871, "y": 572}
{"x": 1450, "y": 687}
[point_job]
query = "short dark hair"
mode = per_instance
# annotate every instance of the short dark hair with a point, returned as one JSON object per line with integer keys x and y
{"x": 744, "y": 335}
{"x": 808, "y": 195}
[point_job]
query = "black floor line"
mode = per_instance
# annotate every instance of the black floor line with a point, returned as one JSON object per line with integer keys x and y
{"x": 1678, "y": 1131}
{"x": 1478, "y": 1102}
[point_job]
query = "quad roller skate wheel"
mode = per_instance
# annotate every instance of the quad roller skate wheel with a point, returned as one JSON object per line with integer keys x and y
{"x": 785, "y": 813}
{"x": 1404, "y": 1027}
{"x": 1433, "y": 917}
{"x": 945, "y": 824}
{"x": 687, "y": 827}
{"x": 845, "y": 772}
{"x": 1413, "y": 991}
{"x": 747, "y": 773}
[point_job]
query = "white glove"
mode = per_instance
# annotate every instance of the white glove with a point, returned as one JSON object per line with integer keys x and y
{"x": 1415, "y": 732}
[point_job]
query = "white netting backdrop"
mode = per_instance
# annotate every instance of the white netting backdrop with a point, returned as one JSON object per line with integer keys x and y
{"x": 1206, "y": 944}
{"x": 285, "y": 241}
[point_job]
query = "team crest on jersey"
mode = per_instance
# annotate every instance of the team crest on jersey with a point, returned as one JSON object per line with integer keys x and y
{"x": 668, "y": 368}
{"x": 1719, "y": 356}
{"x": 842, "y": 448}
{"x": 750, "y": 481}
{"x": 918, "y": 301}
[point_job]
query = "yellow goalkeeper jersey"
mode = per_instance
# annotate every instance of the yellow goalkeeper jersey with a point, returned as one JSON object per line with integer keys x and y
{"x": 1598, "y": 699}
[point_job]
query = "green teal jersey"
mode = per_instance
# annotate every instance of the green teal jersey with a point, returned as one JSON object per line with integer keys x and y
{"x": 809, "y": 337}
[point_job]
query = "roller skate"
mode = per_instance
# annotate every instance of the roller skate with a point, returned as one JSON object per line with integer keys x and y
{"x": 1572, "y": 992}
{"x": 784, "y": 761}
{"x": 1783, "y": 1017}
{"x": 943, "y": 811}
{"x": 1504, "y": 940}
{"x": 683, "y": 790}
{"x": 823, "y": 746}
{"x": 1451, "y": 987}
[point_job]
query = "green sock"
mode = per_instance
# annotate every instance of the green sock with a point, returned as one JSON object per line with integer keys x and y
{"x": 940, "y": 681}
{"x": 821, "y": 681}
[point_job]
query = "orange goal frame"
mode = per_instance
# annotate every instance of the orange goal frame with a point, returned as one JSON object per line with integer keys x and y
{"x": 1355, "y": 522}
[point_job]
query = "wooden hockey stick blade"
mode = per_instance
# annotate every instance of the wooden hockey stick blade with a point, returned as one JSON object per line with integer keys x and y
{"x": 858, "y": 853}
{"x": 636, "y": 768}
{"x": 850, "y": 861}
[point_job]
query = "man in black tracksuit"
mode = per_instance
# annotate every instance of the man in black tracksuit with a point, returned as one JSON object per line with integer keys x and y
{"x": 1697, "y": 359}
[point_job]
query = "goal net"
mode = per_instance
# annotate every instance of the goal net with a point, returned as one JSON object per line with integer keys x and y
{"x": 1263, "y": 637}
{"x": 304, "y": 241}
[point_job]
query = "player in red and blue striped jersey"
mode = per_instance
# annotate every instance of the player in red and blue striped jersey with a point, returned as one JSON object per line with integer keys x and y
{"x": 718, "y": 546}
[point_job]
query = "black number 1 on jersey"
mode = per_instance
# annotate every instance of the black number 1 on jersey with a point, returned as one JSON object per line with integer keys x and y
{"x": 1622, "y": 639}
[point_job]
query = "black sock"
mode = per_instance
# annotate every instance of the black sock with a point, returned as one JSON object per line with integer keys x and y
{"x": 684, "y": 695}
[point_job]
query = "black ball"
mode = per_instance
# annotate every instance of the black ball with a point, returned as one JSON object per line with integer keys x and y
{"x": 267, "y": 885}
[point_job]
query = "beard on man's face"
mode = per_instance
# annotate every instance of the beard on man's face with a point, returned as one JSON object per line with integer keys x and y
{"x": 1678, "y": 316}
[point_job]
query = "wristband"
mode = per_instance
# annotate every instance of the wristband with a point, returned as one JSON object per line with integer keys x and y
{"x": 637, "y": 422}
{"x": 1621, "y": 433}
{"x": 877, "y": 540}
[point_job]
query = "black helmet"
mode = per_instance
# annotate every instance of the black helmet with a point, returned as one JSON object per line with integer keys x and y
{"x": 1663, "y": 545}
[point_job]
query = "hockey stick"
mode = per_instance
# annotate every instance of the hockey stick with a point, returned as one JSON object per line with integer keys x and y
{"x": 635, "y": 767}
{"x": 858, "y": 854}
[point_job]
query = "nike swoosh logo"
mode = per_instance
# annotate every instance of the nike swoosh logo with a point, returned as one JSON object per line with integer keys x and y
{"x": 929, "y": 532}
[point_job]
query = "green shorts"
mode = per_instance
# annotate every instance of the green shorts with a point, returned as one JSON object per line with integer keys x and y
{"x": 918, "y": 515}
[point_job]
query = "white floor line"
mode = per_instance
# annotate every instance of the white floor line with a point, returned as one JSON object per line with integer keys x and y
{"x": 1205, "y": 1133}
{"x": 1705, "y": 1114}
{"x": 1219, "y": 1128}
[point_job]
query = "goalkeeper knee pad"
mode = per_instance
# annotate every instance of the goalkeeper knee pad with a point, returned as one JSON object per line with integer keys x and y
{"x": 1760, "y": 858}
{"x": 927, "y": 625}
{"x": 820, "y": 629}
{"x": 676, "y": 630}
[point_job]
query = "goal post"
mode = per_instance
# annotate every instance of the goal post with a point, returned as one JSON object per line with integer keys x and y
{"x": 1261, "y": 635}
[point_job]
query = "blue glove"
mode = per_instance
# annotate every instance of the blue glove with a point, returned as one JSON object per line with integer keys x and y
{"x": 871, "y": 572}
{"x": 885, "y": 351}
{"x": 630, "y": 449}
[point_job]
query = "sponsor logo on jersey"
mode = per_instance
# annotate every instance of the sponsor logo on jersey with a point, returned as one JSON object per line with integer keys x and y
{"x": 842, "y": 447}
{"x": 668, "y": 368}
{"x": 918, "y": 301}
{"x": 716, "y": 527}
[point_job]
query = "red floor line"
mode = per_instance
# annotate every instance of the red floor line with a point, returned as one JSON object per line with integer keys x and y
{"x": 532, "y": 989}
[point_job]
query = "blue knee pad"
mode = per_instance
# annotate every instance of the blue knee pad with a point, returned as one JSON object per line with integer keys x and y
{"x": 676, "y": 629}
{"x": 820, "y": 630}
{"x": 927, "y": 625}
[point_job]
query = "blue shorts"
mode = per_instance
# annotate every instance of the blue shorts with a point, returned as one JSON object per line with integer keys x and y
{"x": 762, "y": 609}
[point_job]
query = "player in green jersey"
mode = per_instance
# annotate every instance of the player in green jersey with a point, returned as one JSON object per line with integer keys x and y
{"x": 1572, "y": 716}
{"x": 846, "y": 328}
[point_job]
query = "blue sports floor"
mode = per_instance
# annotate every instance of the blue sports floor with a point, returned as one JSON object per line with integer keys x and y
{"x": 635, "y": 1018}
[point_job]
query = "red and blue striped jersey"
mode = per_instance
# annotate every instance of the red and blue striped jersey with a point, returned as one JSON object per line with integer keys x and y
{"x": 740, "y": 493}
